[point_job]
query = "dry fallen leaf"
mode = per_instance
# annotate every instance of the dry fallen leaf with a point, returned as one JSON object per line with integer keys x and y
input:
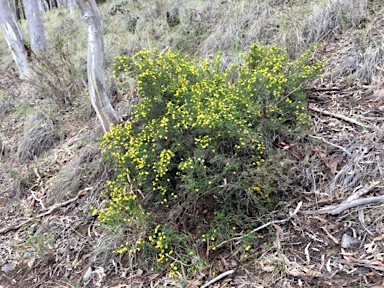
{"x": 321, "y": 154}
{"x": 152, "y": 277}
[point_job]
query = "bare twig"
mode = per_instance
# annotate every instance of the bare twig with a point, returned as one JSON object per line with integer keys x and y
{"x": 263, "y": 226}
{"x": 324, "y": 89}
{"x": 339, "y": 116}
{"x": 225, "y": 274}
{"x": 337, "y": 209}
{"x": 362, "y": 222}
{"x": 50, "y": 210}
{"x": 362, "y": 263}
{"x": 290, "y": 93}
{"x": 367, "y": 187}
{"x": 330, "y": 143}
{"x": 37, "y": 199}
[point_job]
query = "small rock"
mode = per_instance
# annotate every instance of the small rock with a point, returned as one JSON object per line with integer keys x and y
{"x": 26, "y": 255}
{"x": 31, "y": 262}
{"x": 238, "y": 281}
{"x": 87, "y": 274}
{"x": 347, "y": 241}
{"x": 233, "y": 264}
{"x": 9, "y": 266}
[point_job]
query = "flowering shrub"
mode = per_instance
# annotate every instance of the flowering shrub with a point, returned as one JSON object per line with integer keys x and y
{"x": 190, "y": 161}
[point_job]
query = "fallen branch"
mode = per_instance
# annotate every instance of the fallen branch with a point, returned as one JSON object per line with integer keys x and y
{"x": 324, "y": 89}
{"x": 330, "y": 143}
{"x": 263, "y": 226}
{"x": 49, "y": 211}
{"x": 374, "y": 265}
{"x": 364, "y": 190}
{"x": 225, "y": 274}
{"x": 339, "y": 116}
{"x": 337, "y": 209}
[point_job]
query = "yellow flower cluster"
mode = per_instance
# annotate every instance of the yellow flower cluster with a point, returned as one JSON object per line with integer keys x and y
{"x": 126, "y": 247}
{"x": 160, "y": 242}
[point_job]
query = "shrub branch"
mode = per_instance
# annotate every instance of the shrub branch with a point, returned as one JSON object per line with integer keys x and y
{"x": 263, "y": 226}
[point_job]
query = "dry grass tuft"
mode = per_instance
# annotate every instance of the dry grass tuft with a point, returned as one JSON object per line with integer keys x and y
{"x": 5, "y": 106}
{"x": 369, "y": 70}
{"x": 12, "y": 182}
{"x": 75, "y": 175}
{"x": 237, "y": 26}
{"x": 362, "y": 66}
{"x": 40, "y": 134}
{"x": 365, "y": 165}
{"x": 329, "y": 18}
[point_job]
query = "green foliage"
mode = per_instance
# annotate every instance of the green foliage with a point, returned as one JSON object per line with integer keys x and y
{"x": 130, "y": 18}
{"x": 190, "y": 163}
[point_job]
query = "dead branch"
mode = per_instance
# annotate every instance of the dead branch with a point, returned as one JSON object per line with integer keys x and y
{"x": 337, "y": 209}
{"x": 362, "y": 222}
{"x": 339, "y": 116}
{"x": 330, "y": 143}
{"x": 49, "y": 210}
{"x": 263, "y": 226}
{"x": 225, "y": 274}
{"x": 364, "y": 190}
{"x": 324, "y": 89}
{"x": 363, "y": 263}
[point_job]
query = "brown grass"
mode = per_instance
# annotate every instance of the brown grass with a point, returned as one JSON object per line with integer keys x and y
{"x": 40, "y": 134}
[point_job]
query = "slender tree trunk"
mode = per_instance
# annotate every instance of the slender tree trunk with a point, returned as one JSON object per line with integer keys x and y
{"x": 95, "y": 69}
{"x": 53, "y": 4}
{"x": 71, "y": 5}
{"x": 14, "y": 37}
{"x": 41, "y": 7}
{"x": 45, "y": 5}
{"x": 35, "y": 26}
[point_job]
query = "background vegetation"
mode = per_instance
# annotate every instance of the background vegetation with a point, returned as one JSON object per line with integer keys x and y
{"x": 231, "y": 143}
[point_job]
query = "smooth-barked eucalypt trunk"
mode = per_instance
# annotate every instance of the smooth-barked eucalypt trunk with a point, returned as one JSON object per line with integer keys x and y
{"x": 95, "y": 66}
{"x": 15, "y": 39}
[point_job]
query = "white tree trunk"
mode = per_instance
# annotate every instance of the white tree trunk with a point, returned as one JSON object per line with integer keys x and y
{"x": 14, "y": 37}
{"x": 35, "y": 26}
{"x": 71, "y": 5}
{"x": 95, "y": 69}
{"x": 41, "y": 7}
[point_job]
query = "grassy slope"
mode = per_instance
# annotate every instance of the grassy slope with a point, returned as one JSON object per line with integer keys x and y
{"x": 61, "y": 248}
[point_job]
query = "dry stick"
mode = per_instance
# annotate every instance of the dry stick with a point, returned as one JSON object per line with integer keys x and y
{"x": 364, "y": 190}
{"x": 290, "y": 93}
{"x": 337, "y": 209}
{"x": 339, "y": 116}
{"x": 330, "y": 143}
{"x": 263, "y": 226}
{"x": 218, "y": 278}
{"x": 50, "y": 210}
{"x": 362, "y": 222}
{"x": 324, "y": 89}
